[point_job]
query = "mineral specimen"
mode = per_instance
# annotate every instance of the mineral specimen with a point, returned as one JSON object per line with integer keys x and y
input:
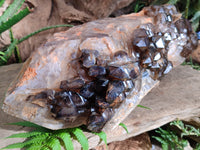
{"x": 95, "y": 74}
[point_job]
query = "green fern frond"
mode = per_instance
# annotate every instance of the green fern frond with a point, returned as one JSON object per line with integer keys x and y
{"x": 45, "y": 148}
{"x": 13, "y": 20}
{"x": 82, "y": 139}
{"x": 66, "y": 138}
{"x": 11, "y": 10}
{"x": 15, "y": 145}
{"x": 38, "y": 139}
{"x": 53, "y": 143}
{"x": 29, "y": 124}
{"x": 3, "y": 59}
{"x": 34, "y": 147}
{"x": 102, "y": 135}
{"x": 124, "y": 126}
{"x": 2, "y": 53}
{"x": 170, "y": 139}
{"x": 26, "y": 135}
{"x": 2, "y": 2}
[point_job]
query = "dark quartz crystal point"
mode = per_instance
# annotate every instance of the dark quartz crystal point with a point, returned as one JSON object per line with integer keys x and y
{"x": 118, "y": 100}
{"x": 141, "y": 44}
{"x": 168, "y": 68}
{"x": 101, "y": 86}
{"x": 95, "y": 71}
{"x": 115, "y": 88}
{"x": 87, "y": 90}
{"x": 73, "y": 84}
{"x": 97, "y": 121}
{"x": 118, "y": 72}
{"x": 101, "y": 103}
{"x": 129, "y": 85}
{"x": 68, "y": 105}
{"x": 183, "y": 26}
{"x": 134, "y": 73}
{"x": 89, "y": 57}
{"x": 140, "y": 33}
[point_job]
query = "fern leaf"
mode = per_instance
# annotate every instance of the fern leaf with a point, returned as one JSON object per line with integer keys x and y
{"x": 53, "y": 143}
{"x": 44, "y": 148}
{"x": 102, "y": 135}
{"x": 141, "y": 106}
{"x": 30, "y": 124}
{"x": 2, "y": 53}
{"x": 2, "y": 2}
{"x": 66, "y": 138}
{"x": 34, "y": 147}
{"x": 26, "y": 135}
{"x": 3, "y": 59}
{"x": 81, "y": 138}
{"x": 124, "y": 126}
{"x": 16, "y": 18}
{"x": 165, "y": 147}
{"x": 159, "y": 139}
{"x": 15, "y": 145}
{"x": 11, "y": 10}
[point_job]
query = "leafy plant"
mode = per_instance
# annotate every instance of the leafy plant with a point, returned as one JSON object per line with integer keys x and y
{"x": 193, "y": 65}
{"x": 186, "y": 130}
{"x": 10, "y": 17}
{"x": 43, "y": 138}
{"x": 170, "y": 139}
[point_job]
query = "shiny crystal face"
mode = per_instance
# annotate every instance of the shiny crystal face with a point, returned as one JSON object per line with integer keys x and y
{"x": 103, "y": 81}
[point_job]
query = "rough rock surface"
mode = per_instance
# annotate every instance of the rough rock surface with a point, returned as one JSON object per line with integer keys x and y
{"x": 177, "y": 97}
{"x": 152, "y": 42}
{"x": 56, "y": 12}
{"x": 140, "y": 142}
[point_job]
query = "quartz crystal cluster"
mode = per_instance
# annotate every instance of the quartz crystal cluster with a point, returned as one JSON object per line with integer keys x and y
{"x": 109, "y": 66}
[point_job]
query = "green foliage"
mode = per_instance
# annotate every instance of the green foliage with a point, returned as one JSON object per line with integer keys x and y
{"x": 81, "y": 138}
{"x": 193, "y": 65}
{"x": 66, "y": 139}
{"x": 11, "y": 10}
{"x": 15, "y": 19}
{"x": 138, "y": 5}
{"x": 43, "y": 138}
{"x": 186, "y": 130}
{"x": 124, "y": 126}
{"x": 2, "y": 2}
{"x": 10, "y": 17}
{"x": 169, "y": 139}
{"x": 102, "y": 135}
